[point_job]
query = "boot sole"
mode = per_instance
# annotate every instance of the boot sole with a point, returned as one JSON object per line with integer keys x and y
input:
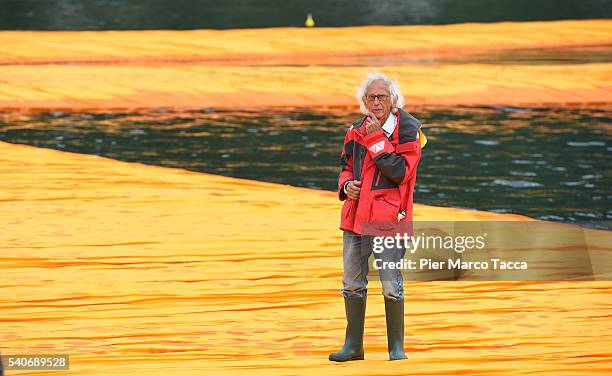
{"x": 359, "y": 357}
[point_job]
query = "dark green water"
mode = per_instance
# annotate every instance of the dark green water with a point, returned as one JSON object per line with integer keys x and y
{"x": 547, "y": 163}
{"x": 229, "y": 14}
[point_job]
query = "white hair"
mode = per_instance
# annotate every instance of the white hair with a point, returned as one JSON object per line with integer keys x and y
{"x": 397, "y": 99}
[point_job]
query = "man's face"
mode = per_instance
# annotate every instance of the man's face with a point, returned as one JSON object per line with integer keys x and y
{"x": 378, "y": 100}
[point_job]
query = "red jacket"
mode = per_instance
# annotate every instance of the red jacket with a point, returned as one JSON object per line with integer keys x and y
{"x": 387, "y": 170}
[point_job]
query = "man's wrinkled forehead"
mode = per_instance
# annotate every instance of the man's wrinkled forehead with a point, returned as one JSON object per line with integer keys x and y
{"x": 378, "y": 87}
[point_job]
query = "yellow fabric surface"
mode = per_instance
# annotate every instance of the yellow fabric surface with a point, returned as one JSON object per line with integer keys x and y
{"x": 143, "y": 270}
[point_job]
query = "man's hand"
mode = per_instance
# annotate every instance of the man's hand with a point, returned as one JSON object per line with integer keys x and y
{"x": 372, "y": 123}
{"x": 352, "y": 189}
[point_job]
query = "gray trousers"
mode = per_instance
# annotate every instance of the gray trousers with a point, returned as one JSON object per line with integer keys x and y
{"x": 356, "y": 250}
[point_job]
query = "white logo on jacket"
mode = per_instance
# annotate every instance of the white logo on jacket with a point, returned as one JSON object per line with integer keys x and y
{"x": 377, "y": 147}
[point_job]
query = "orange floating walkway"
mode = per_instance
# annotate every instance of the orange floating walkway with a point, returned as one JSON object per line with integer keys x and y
{"x": 143, "y": 270}
{"x": 293, "y": 44}
{"x": 297, "y": 66}
{"x": 196, "y": 86}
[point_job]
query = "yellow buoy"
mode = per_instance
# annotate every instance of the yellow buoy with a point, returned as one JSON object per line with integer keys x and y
{"x": 309, "y": 21}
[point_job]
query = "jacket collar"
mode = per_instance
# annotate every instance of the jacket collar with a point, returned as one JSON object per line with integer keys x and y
{"x": 357, "y": 123}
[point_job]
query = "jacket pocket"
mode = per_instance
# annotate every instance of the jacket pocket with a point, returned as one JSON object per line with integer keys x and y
{"x": 384, "y": 211}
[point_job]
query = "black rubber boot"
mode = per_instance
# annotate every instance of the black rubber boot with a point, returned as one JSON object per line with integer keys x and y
{"x": 353, "y": 340}
{"x": 394, "y": 312}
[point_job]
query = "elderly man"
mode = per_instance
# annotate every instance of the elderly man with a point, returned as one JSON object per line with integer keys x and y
{"x": 379, "y": 161}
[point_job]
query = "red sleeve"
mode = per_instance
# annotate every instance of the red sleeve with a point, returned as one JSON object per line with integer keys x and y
{"x": 411, "y": 151}
{"x": 393, "y": 165}
{"x": 378, "y": 143}
{"x": 346, "y": 163}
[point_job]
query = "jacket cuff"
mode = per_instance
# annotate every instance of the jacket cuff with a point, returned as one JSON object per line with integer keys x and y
{"x": 378, "y": 143}
{"x": 342, "y": 190}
